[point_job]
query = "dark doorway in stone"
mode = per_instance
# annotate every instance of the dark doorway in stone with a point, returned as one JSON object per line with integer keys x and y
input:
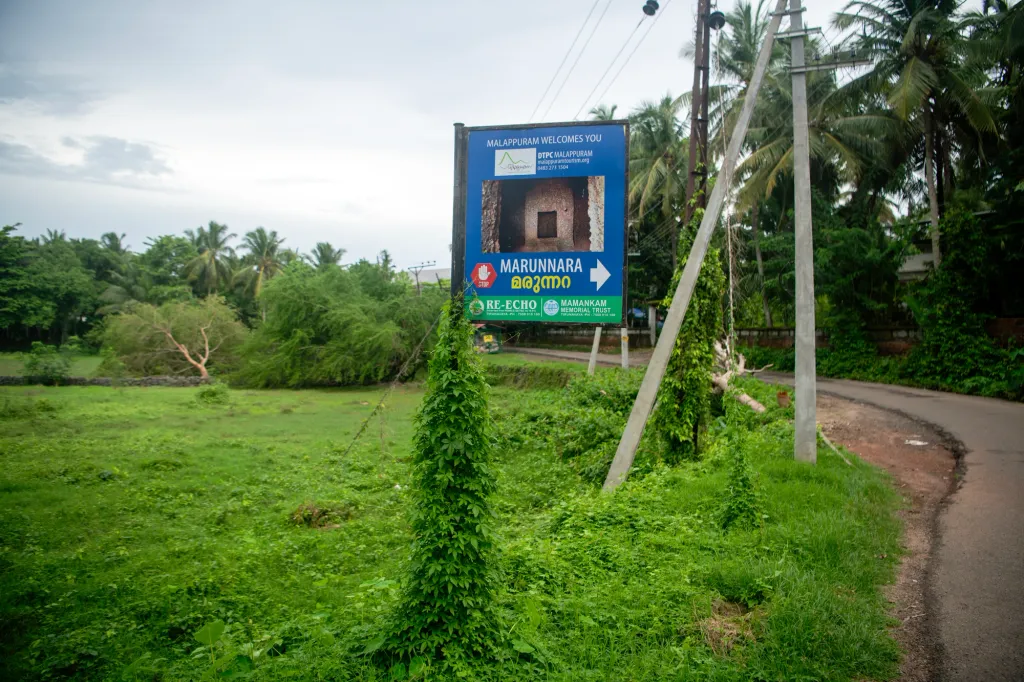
{"x": 547, "y": 224}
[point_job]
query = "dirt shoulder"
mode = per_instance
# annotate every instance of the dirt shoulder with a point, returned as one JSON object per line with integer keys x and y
{"x": 924, "y": 469}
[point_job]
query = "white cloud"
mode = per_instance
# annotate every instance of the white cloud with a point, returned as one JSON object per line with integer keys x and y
{"x": 323, "y": 120}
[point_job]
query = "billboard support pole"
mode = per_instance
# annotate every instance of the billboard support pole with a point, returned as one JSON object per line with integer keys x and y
{"x": 459, "y": 218}
{"x": 624, "y": 337}
{"x": 648, "y": 393}
{"x": 593, "y": 350}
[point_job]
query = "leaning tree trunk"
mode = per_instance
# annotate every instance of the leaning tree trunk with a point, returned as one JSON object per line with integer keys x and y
{"x": 760, "y": 262}
{"x": 929, "y": 176}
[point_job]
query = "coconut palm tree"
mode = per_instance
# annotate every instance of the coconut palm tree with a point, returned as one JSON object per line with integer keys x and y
{"x": 325, "y": 255}
{"x": 734, "y": 60}
{"x": 657, "y": 163}
{"x": 196, "y": 237}
{"x": 263, "y": 260}
{"x": 920, "y": 68}
{"x": 54, "y": 236}
{"x": 211, "y": 267}
{"x": 113, "y": 242}
{"x": 603, "y": 112}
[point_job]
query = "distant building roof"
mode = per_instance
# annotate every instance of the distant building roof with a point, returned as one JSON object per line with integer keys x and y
{"x": 434, "y": 274}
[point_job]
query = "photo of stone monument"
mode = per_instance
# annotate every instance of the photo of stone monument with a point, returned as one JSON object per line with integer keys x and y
{"x": 540, "y": 215}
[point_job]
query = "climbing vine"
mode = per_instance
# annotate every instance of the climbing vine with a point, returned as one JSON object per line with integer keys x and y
{"x": 446, "y": 608}
{"x": 740, "y": 508}
{"x": 684, "y": 401}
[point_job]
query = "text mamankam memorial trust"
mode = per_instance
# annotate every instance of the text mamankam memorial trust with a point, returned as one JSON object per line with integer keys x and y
{"x": 545, "y": 223}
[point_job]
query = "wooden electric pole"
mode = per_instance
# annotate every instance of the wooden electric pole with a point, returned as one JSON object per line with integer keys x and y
{"x": 696, "y": 164}
{"x": 415, "y": 270}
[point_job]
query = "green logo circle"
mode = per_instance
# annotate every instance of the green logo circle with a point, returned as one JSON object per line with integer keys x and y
{"x": 476, "y": 306}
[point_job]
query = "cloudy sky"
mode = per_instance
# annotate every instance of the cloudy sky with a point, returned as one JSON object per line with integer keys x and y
{"x": 321, "y": 119}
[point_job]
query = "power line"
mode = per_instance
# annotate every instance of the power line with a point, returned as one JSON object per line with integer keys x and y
{"x": 562, "y": 63}
{"x": 614, "y": 59}
{"x": 635, "y": 48}
{"x": 577, "y": 61}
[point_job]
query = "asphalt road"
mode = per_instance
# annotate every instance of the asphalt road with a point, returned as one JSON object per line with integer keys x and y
{"x": 978, "y": 576}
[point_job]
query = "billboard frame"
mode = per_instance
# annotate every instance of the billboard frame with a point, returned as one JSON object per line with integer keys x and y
{"x": 460, "y": 285}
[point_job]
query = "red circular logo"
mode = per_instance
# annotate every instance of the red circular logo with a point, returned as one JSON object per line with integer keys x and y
{"x": 483, "y": 275}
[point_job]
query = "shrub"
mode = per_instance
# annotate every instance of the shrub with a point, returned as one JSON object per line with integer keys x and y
{"x": 213, "y": 394}
{"x": 46, "y": 364}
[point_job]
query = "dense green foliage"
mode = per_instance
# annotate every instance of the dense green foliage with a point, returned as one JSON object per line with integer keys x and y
{"x": 133, "y": 521}
{"x": 955, "y": 350}
{"x": 314, "y": 324}
{"x": 931, "y": 127}
{"x": 328, "y": 326}
{"x": 446, "y": 609}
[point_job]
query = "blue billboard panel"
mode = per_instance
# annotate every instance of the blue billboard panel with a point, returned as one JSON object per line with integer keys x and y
{"x": 545, "y": 222}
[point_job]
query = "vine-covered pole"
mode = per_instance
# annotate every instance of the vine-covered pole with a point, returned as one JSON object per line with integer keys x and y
{"x": 681, "y": 299}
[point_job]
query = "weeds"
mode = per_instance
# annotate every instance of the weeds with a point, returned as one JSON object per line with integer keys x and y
{"x": 112, "y": 579}
{"x": 26, "y": 408}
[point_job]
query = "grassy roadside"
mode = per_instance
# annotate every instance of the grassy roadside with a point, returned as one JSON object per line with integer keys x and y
{"x": 129, "y": 518}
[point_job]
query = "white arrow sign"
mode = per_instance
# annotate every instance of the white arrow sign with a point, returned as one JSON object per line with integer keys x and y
{"x": 599, "y": 275}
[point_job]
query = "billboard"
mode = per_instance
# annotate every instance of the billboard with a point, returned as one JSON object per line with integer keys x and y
{"x": 545, "y": 222}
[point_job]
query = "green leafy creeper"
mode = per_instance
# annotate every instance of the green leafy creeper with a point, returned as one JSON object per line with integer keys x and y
{"x": 684, "y": 401}
{"x": 446, "y": 608}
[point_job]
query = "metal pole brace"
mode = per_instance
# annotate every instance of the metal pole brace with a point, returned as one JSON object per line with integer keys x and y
{"x": 797, "y": 34}
{"x": 849, "y": 63}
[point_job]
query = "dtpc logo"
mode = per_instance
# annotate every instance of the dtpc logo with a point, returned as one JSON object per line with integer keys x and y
{"x": 515, "y": 161}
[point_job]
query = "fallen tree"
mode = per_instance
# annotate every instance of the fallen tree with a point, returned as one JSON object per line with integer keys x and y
{"x": 176, "y": 338}
{"x": 727, "y": 370}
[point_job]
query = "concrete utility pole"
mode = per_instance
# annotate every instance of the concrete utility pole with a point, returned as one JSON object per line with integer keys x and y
{"x": 681, "y": 298}
{"x": 624, "y": 338}
{"x": 805, "y": 442}
{"x": 652, "y": 324}
{"x": 805, "y": 427}
{"x": 593, "y": 350}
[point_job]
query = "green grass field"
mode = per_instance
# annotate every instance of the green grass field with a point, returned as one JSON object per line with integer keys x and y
{"x": 12, "y": 365}
{"x": 130, "y": 518}
{"x": 510, "y": 359}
